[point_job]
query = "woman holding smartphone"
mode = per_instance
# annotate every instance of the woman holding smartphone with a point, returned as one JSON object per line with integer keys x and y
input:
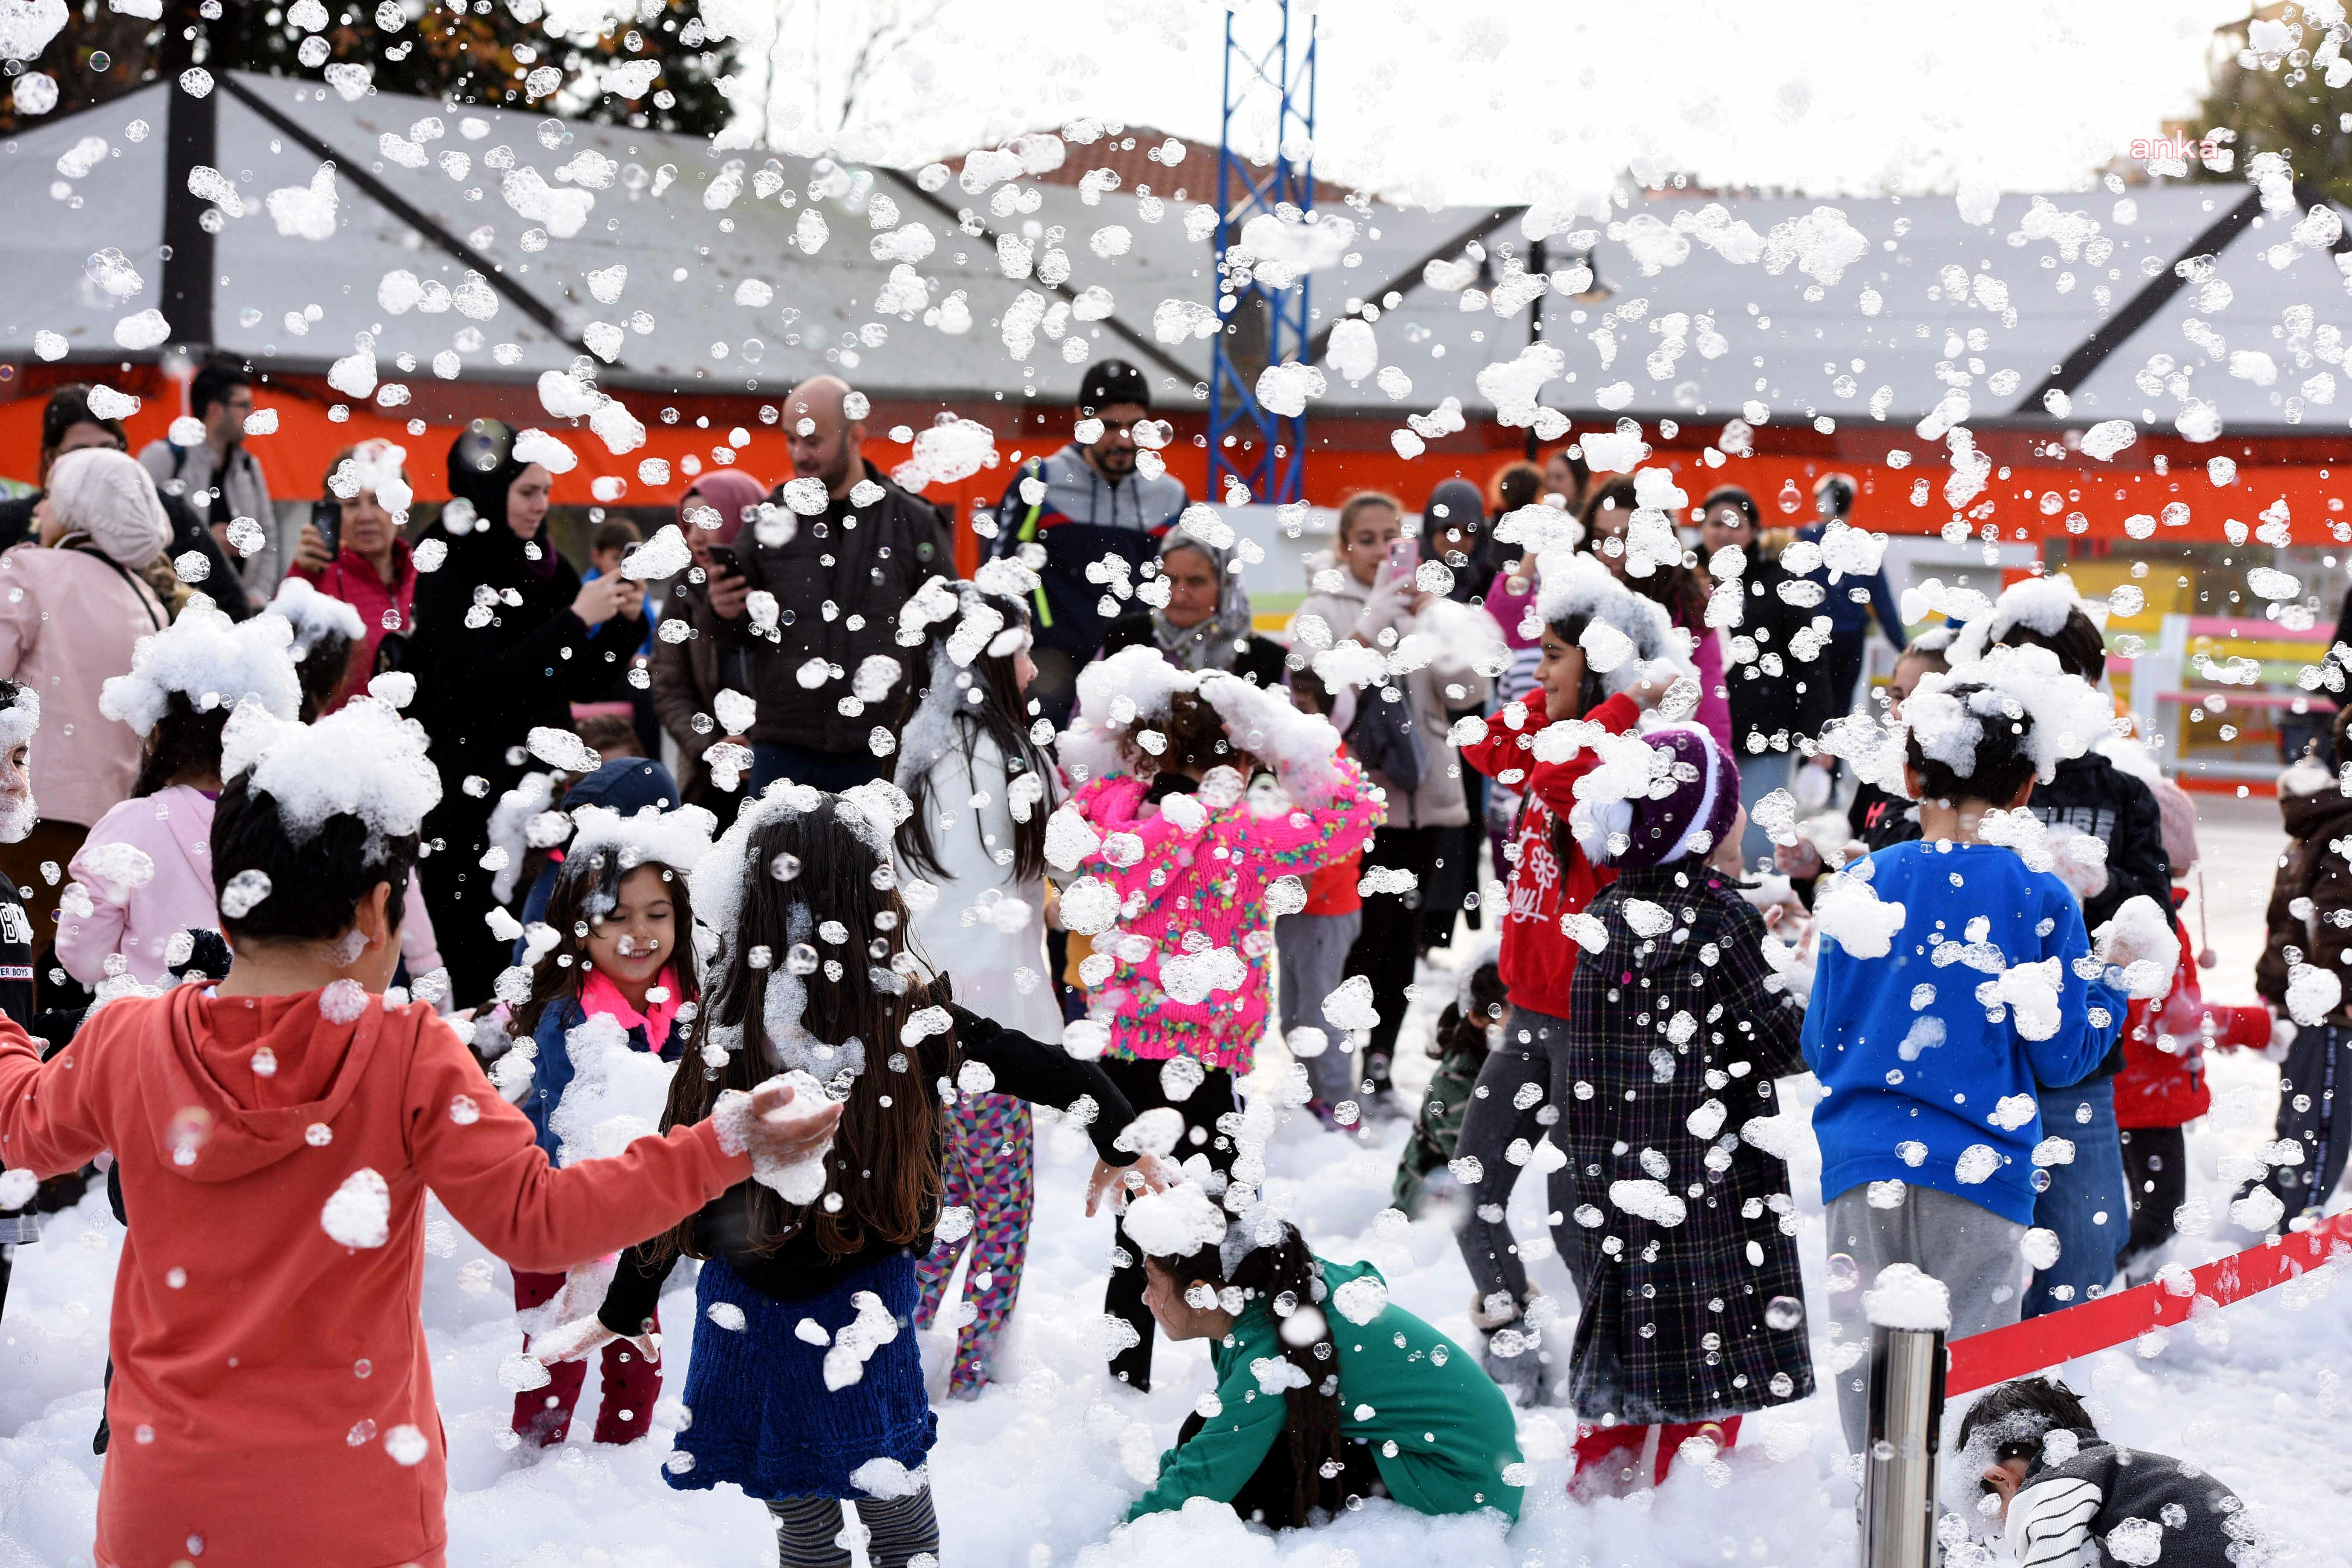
{"x": 688, "y": 674}
{"x": 352, "y": 549}
{"x": 1372, "y": 598}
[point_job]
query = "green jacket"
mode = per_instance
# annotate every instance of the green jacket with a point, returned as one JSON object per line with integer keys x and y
{"x": 1437, "y": 1130}
{"x": 1441, "y": 1431}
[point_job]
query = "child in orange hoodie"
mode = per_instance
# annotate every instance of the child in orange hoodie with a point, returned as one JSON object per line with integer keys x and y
{"x": 275, "y": 1135}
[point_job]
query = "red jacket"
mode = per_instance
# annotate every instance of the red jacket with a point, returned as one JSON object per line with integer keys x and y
{"x": 381, "y": 609}
{"x": 1538, "y": 957}
{"x": 273, "y": 1391}
{"x": 2163, "y": 1080}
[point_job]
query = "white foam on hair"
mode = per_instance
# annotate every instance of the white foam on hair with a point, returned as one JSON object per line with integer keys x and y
{"x": 677, "y": 839}
{"x": 2041, "y": 604}
{"x": 1572, "y": 584}
{"x": 20, "y": 719}
{"x": 2069, "y": 715}
{"x": 363, "y": 759}
{"x": 212, "y": 661}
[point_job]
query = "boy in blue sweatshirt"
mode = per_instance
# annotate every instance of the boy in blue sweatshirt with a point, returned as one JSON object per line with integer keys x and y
{"x": 1951, "y": 976}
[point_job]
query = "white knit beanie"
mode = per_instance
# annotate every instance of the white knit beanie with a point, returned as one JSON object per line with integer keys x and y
{"x": 107, "y": 495}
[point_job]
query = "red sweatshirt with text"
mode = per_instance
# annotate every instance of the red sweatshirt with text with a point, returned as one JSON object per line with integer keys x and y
{"x": 1538, "y": 957}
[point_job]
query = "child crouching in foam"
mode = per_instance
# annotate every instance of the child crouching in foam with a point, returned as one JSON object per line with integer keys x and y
{"x": 1676, "y": 1027}
{"x": 1950, "y": 979}
{"x": 276, "y": 1136}
{"x": 2060, "y": 1493}
{"x": 1182, "y": 841}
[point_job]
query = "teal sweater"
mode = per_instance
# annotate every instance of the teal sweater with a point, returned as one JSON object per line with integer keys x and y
{"x": 1402, "y": 1383}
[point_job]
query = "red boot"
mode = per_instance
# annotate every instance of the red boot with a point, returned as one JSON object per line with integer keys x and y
{"x": 1725, "y": 1434}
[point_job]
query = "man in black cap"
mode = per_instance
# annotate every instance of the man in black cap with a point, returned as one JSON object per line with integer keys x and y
{"x": 1084, "y": 504}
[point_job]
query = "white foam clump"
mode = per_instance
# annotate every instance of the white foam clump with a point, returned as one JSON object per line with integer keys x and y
{"x": 563, "y": 749}
{"x": 363, "y": 759}
{"x": 1948, "y": 721}
{"x": 1649, "y": 1200}
{"x": 1133, "y": 688}
{"x": 616, "y": 1096}
{"x": 854, "y": 1345}
{"x": 1849, "y": 912}
{"x": 677, "y": 839}
{"x": 212, "y": 661}
{"x": 2140, "y": 938}
{"x": 2041, "y": 604}
{"x": 2030, "y": 993}
{"x": 359, "y": 1214}
{"x": 1572, "y": 584}
{"x": 2313, "y": 993}
{"x": 800, "y": 1181}
{"x": 1177, "y": 1223}
{"x": 1903, "y": 1297}
{"x": 666, "y": 555}
{"x": 314, "y": 614}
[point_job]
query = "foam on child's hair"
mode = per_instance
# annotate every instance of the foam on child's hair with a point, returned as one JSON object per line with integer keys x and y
{"x": 363, "y": 759}
{"x": 313, "y": 616}
{"x": 212, "y": 661}
{"x": 2069, "y": 716}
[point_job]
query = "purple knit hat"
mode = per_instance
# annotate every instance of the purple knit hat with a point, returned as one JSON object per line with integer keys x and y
{"x": 1699, "y": 796}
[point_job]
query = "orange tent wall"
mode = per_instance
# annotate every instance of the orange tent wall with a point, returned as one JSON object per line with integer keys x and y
{"x": 1350, "y": 453}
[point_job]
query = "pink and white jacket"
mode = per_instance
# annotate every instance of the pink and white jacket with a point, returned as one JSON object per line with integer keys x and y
{"x": 174, "y": 829}
{"x": 1197, "y": 895}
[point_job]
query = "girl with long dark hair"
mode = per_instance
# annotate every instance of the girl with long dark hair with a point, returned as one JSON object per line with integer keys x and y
{"x": 1543, "y": 748}
{"x": 806, "y": 1384}
{"x": 507, "y": 638}
{"x": 1640, "y": 549}
{"x": 980, "y": 789}
{"x": 145, "y": 871}
{"x": 1368, "y": 1400}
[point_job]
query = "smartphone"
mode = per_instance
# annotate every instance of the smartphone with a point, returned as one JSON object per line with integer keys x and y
{"x": 327, "y": 517}
{"x": 1404, "y": 556}
{"x": 724, "y": 562}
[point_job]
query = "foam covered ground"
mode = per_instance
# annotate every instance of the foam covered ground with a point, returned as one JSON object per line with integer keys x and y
{"x": 1038, "y": 1471}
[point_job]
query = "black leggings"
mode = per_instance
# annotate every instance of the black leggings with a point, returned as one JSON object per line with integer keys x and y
{"x": 899, "y": 1529}
{"x": 1123, "y": 1297}
{"x": 1389, "y": 945}
{"x": 2156, "y": 1174}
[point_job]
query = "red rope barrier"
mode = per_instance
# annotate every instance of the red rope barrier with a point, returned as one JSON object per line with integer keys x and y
{"x": 1983, "y": 1360}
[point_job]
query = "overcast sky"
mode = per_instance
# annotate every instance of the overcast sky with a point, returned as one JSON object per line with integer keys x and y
{"x": 1476, "y": 99}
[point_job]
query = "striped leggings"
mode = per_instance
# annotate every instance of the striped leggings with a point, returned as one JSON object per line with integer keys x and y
{"x": 900, "y": 1532}
{"x": 990, "y": 1170}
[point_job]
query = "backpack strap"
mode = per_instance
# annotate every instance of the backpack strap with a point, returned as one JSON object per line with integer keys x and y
{"x": 146, "y": 595}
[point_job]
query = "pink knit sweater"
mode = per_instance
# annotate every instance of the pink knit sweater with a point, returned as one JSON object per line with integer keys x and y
{"x": 1209, "y": 885}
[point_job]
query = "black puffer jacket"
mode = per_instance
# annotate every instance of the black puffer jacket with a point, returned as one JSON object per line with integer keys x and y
{"x": 838, "y": 582}
{"x": 1772, "y": 692}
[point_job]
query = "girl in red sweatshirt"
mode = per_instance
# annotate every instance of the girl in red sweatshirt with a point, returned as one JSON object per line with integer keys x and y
{"x": 1542, "y": 747}
{"x": 272, "y": 1398}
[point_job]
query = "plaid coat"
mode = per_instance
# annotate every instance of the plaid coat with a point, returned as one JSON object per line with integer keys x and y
{"x": 1680, "y": 1040}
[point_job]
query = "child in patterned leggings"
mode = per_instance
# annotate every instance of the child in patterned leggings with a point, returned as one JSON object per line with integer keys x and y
{"x": 989, "y": 1170}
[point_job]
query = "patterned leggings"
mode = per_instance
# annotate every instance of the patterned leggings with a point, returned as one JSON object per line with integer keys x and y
{"x": 990, "y": 1169}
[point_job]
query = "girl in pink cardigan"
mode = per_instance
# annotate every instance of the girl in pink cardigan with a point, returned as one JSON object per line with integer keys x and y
{"x": 1183, "y": 837}
{"x": 145, "y": 873}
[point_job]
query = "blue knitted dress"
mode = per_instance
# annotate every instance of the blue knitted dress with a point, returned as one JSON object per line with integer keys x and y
{"x": 763, "y": 1417}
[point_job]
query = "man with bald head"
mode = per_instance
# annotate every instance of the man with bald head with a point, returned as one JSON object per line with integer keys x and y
{"x": 834, "y": 553}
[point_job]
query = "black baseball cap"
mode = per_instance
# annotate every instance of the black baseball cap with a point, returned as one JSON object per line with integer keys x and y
{"x": 1112, "y": 381}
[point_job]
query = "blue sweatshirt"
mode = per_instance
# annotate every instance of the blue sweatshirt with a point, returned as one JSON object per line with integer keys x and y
{"x": 1918, "y": 1076}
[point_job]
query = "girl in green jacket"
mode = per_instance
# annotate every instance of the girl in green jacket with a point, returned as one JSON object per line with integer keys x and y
{"x": 1326, "y": 1393}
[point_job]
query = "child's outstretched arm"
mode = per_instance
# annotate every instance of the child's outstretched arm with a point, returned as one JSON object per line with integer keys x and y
{"x": 491, "y": 1174}
{"x": 2090, "y": 1011}
{"x": 1219, "y": 1459}
{"x": 1030, "y": 1069}
{"x": 49, "y": 1116}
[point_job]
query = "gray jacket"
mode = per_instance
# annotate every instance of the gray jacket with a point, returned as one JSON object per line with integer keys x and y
{"x": 239, "y": 490}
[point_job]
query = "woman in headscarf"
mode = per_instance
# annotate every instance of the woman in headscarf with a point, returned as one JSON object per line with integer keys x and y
{"x": 685, "y": 672}
{"x": 1206, "y": 623}
{"x": 507, "y": 638}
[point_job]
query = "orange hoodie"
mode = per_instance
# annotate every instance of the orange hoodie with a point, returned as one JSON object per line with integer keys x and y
{"x": 273, "y": 1396}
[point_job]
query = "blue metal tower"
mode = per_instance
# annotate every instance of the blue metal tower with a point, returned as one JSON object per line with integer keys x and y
{"x": 1260, "y": 326}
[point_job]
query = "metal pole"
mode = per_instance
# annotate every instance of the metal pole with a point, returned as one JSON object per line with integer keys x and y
{"x": 1898, "y": 1464}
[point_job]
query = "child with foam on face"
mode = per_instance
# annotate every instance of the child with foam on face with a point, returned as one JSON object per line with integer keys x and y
{"x": 144, "y": 875}
{"x": 1677, "y": 1025}
{"x": 806, "y": 1387}
{"x": 1954, "y": 975}
{"x": 2059, "y": 1493}
{"x": 1197, "y": 792}
{"x": 1608, "y": 658}
{"x": 277, "y": 1135}
{"x": 613, "y": 973}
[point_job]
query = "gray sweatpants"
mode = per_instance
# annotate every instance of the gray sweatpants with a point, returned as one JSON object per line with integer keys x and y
{"x": 1971, "y": 1248}
{"x": 1313, "y": 949}
{"x": 1522, "y": 1091}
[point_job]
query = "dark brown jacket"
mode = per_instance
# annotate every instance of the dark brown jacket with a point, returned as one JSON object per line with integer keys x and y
{"x": 2318, "y": 817}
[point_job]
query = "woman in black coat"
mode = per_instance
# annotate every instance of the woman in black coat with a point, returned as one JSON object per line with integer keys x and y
{"x": 506, "y": 638}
